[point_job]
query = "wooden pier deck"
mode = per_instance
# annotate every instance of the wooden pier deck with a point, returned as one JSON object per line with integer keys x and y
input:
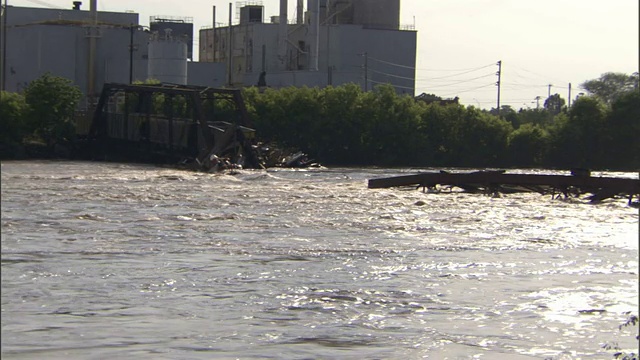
{"x": 600, "y": 188}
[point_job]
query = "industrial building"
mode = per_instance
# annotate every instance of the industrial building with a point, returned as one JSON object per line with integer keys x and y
{"x": 331, "y": 42}
{"x": 92, "y": 47}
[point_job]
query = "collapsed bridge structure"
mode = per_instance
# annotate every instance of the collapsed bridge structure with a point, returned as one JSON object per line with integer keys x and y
{"x": 173, "y": 123}
{"x": 497, "y": 181}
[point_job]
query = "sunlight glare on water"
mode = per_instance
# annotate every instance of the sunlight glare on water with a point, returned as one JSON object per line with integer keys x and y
{"x": 112, "y": 260}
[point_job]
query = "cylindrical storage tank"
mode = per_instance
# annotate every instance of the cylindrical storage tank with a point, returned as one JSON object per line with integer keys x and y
{"x": 377, "y": 14}
{"x": 167, "y": 61}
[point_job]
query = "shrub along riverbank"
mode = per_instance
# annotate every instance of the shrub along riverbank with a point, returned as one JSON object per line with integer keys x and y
{"x": 345, "y": 126}
{"x": 40, "y": 120}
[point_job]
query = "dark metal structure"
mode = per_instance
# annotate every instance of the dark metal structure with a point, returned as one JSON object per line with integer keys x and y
{"x": 168, "y": 123}
{"x": 493, "y": 182}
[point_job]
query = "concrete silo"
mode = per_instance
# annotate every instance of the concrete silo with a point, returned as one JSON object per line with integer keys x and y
{"x": 167, "y": 59}
{"x": 181, "y": 27}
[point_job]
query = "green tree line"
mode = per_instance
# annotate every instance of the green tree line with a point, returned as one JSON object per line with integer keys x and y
{"x": 346, "y": 126}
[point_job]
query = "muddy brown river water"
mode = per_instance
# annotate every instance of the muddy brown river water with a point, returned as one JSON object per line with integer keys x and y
{"x": 104, "y": 261}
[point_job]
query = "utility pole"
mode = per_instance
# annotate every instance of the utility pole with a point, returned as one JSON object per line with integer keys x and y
{"x": 93, "y": 34}
{"x": 366, "y": 72}
{"x": 131, "y": 53}
{"x": 329, "y": 67}
{"x": 499, "y": 73}
{"x": 537, "y": 98}
{"x": 549, "y": 95}
{"x": 213, "y": 37}
{"x": 230, "y": 46}
{"x": 3, "y": 68}
{"x": 569, "y": 96}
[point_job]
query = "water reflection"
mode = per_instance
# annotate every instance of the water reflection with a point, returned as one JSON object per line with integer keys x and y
{"x": 124, "y": 260}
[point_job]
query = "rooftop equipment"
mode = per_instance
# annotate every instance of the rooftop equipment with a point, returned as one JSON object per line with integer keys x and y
{"x": 180, "y": 27}
{"x": 251, "y": 14}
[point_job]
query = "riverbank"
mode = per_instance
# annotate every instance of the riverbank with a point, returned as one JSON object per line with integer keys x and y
{"x": 34, "y": 150}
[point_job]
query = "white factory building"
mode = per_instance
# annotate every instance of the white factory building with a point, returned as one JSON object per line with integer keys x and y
{"x": 330, "y": 42}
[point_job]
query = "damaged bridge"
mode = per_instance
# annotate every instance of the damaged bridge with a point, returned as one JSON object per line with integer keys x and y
{"x": 493, "y": 182}
{"x": 167, "y": 123}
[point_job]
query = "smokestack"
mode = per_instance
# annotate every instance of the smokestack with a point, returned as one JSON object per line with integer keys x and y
{"x": 300, "y": 12}
{"x": 91, "y": 87}
{"x": 313, "y": 7}
{"x": 93, "y": 10}
{"x": 230, "y": 46}
{"x": 282, "y": 35}
{"x": 213, "y": 36}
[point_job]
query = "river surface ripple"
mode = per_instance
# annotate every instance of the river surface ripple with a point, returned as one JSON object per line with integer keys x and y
{"x": 118, "y": 261}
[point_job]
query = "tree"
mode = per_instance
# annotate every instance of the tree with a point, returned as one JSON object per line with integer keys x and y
{"x": 52, "y": 101}
{"x": 540, "y": 117}
{"x": 485, "y": 138}
{"x": 622, "y": 131}
{"x": 12, "y": 127}
{"x": 428, "y": 98}
{"x": 578, "y": 138}
{"x": 339, "y": 130}
{"x": 554, "y": 104}
{"x": 344, "y": 125}
{"x": 528, "y": 146}
{"x": 508, "y": 113}
{"x": 610, "y": 86}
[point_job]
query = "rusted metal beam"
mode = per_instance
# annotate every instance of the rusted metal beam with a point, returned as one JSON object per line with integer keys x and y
{"x": 618, "y": 185}
{"x": 204, "y": 128}
{"x": 242, "y": 110}
{"x": 171, "y": 89}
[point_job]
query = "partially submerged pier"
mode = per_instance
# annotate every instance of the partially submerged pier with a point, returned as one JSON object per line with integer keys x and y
{"x": 494, "y": 182}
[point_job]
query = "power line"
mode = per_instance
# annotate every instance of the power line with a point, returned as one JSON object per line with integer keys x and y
{"x": 390, "y": 63}
{"x": 464, "y": 91}
{"x": 543, "y": 76}
{"x": 462, "y": 73}
{"x": 463, "y": 81}
{"x": 442, "y": 83}
{"x": 518, "y": 85}
{"x": 44, "y": 3}
{"x": 397, "y": 86}
{"x": 387, "y": 74}
{"x": 466, "y": 69}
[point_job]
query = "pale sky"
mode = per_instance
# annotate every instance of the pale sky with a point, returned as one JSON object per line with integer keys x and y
{"x": 539, "y": 42}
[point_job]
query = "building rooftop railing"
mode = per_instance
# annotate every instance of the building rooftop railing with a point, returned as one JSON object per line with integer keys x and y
{"x": 218, "y": 25}
{"x": 408, "y": 27}
{"x": 163, "y": 18}
{"x": 403, "y": 27}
